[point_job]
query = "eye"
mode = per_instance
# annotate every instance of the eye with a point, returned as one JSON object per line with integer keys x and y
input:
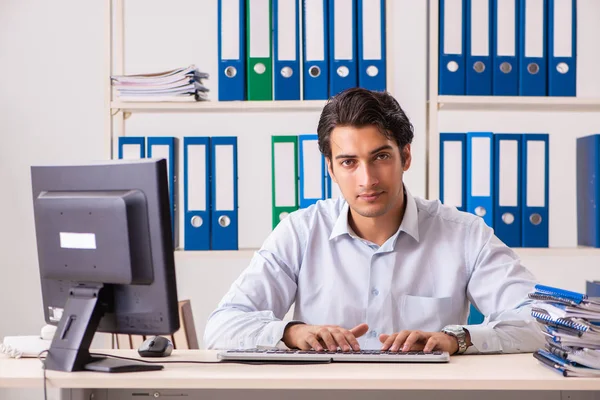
{"x": 382, "y": 156}
{"x": 347, "y": 163}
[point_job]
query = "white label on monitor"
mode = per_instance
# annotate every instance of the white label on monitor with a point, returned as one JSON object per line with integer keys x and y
{"x": 70, "y": 240}
{"x": 55, "y": 314}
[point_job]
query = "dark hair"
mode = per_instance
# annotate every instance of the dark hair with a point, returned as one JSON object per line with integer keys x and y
{"x": 360, "y": 107}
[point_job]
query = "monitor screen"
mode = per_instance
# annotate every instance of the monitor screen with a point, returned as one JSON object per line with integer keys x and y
{"x": 105, "y": 252}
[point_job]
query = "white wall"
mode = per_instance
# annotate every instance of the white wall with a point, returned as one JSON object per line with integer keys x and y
{"x": 51, "y": 111}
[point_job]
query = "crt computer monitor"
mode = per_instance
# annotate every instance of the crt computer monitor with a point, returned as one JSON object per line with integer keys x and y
{"x": 105, "y": 252}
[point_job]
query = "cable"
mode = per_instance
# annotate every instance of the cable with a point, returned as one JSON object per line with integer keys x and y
{"x": 217, "y": 362}
{"x": 44, "y": 368}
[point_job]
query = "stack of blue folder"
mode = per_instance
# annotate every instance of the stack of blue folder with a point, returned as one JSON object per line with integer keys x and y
{"x": 508, "y": 47}
{"x": 266, "y": 46}
{"x": 569, "y": 320}
{"x": 503, "y": 178}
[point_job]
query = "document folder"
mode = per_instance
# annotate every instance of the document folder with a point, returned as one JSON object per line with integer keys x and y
{"x": 224, "y": 193}
{"x": 168, "y": 148}
{"x": 196, "y": 171}
{"x": 284, "y": 164}
{"x": 535, "y": 190}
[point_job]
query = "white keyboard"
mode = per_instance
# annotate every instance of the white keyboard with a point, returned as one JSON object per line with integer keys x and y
{"x": 334, "y": 356}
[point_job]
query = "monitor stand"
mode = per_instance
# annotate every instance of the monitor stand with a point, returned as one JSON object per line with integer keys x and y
{"x": 69, "y": 350}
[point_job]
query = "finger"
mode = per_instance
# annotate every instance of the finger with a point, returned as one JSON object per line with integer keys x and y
{"x": 412, "y": 339}
{"x": 359, "y": 330}
{"x": 351, "y": 339}
{"x": 328, "y": 339}
{"x": 340, "y": 339}
{"x": 388, "y": 342}
{"x": 431, "y": 344}
{"x": 383, "y": 337}
{"x": 313, "y": 343}
{"x": 399, "y": 340}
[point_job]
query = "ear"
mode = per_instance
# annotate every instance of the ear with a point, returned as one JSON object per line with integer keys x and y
{"x": 330, "y": 169}
{"x": 406, "y": 157}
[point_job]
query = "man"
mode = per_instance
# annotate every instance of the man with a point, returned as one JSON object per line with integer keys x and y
{"x": 378, "y": 268}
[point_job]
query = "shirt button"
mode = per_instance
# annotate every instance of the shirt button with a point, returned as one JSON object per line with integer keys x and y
{"x": 375, "y": 292}
{"x": 373, "y": 333}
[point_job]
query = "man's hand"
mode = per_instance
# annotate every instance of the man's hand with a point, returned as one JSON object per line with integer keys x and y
{"x": 417, "y": 340}
{"x": 306, "y": 337}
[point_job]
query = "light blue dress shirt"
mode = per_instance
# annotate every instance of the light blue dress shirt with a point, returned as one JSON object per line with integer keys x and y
{"x": 423, "y": 277}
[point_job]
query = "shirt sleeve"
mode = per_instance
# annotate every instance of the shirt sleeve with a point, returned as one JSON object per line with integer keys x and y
{"x": 251, "y": 312}
{"x": 498, "y": 287}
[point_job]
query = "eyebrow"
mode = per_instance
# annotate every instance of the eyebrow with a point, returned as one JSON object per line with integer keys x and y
{"x": 377, "y": 150}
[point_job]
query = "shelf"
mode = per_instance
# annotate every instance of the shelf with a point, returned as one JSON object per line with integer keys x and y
{"x": 183, "y": 255}
{"x": 558, "y": 252}
{"x": 520, "y": 103}
{"x": 218, "y": 106}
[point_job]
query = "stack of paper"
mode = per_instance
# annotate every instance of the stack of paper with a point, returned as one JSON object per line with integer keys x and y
{"x": 571, "y": 323}
{"x": 182, "y": 84}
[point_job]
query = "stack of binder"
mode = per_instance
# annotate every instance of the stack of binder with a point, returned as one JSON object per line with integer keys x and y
{"x": 508, "y": 47}
{"x": 300, "y": 49}
{"x": 210, "y": 186}
{"x": 501, "y": 177}
{"x": 182, "y": 84}
{"x": 299, "y": 173}
{"x": 570, "y": 322}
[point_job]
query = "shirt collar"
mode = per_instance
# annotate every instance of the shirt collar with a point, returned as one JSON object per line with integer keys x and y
{"x": 410, "y": 221}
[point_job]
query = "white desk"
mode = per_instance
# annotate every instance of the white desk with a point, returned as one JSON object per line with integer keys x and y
{"x": 493, "y": 372}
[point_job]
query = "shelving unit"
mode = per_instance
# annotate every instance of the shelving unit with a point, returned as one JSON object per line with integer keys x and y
{"x": 438, "y": 104}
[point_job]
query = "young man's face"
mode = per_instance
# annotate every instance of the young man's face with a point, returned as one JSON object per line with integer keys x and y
{"x": 368, "y": 169}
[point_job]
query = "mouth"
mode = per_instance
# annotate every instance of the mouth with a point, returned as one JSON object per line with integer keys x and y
{"x": 370, "y": 196}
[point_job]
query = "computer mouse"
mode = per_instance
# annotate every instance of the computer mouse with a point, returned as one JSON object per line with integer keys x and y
{"x": 157, "y": 346}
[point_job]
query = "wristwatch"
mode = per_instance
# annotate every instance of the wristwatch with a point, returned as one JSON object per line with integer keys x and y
{"x": 459, "y": 333}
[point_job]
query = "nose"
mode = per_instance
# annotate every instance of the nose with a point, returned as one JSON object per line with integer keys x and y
{"x": 367, "y": 176}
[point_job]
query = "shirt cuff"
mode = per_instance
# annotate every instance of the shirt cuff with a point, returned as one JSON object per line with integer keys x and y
{"x": 483, "y": 339}
{"x": 273, "y": 333}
